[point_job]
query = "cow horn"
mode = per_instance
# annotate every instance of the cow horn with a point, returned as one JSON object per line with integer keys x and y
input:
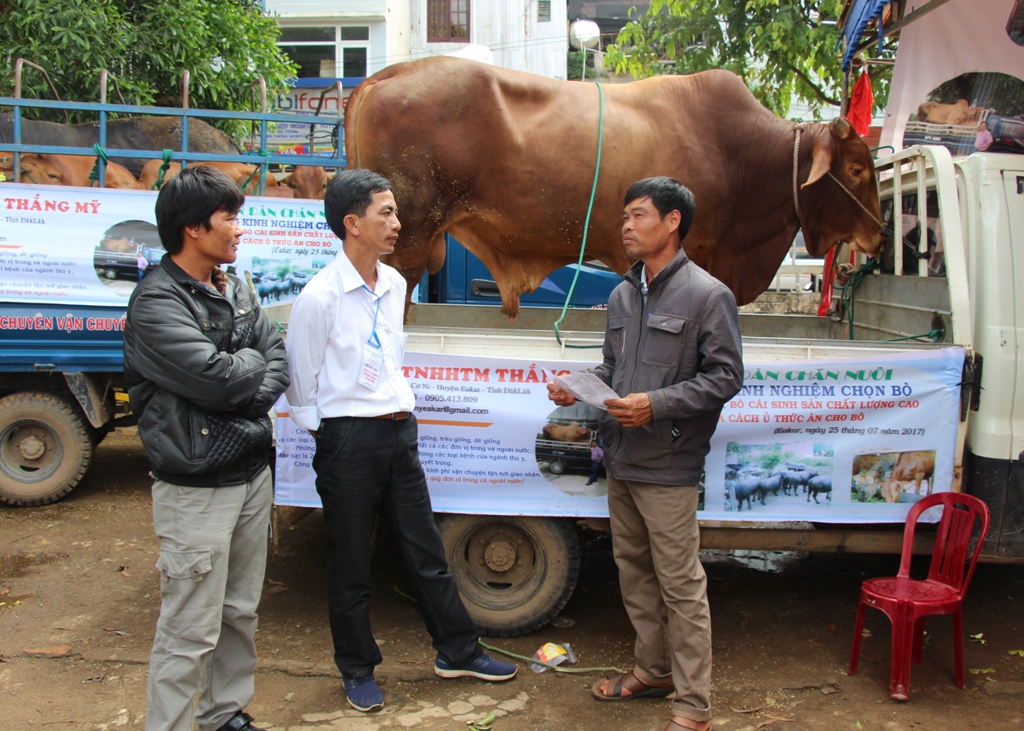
{"x": 821, "y": 161}
{"x": 841, "y": 128}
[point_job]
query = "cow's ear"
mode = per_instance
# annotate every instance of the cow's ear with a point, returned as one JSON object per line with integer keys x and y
{"x": 821, "y": 161}
{"x": 841, "y": 129}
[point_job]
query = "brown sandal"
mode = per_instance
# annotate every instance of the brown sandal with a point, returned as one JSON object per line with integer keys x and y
{"x": 616, "y": 688}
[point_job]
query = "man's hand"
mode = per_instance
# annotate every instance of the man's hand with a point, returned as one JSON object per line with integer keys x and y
{"x": 632, "y": 411}
{"x": 312, "y": 433}
{"x": 560, "y": 397}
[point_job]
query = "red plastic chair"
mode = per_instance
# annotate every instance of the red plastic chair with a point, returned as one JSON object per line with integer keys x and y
{"x": 907, "y": 601}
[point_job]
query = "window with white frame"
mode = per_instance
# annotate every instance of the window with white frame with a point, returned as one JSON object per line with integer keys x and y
{"x": 327, "y": 51}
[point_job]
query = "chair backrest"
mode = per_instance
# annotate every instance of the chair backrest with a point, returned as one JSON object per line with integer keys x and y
{"x": 950, "y": 563}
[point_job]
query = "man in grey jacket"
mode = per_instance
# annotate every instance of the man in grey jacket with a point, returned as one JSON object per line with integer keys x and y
{"x": 672, "y": 351}
{"x": 203, "y": 367}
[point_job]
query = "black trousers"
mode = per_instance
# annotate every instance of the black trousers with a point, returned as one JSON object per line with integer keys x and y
{"x": 370, "y": 466}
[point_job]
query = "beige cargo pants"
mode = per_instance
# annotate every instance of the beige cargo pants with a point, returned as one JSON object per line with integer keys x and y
{"x": 213, "y": 552}
{"x": 655, "y": 538}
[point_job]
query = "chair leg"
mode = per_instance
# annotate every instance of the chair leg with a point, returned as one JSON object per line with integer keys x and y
{"x": 902, "y": 653}
{"x": 958, "y": 645}
{"x": 918, "y": 640}
{"x": 858, "y": 628}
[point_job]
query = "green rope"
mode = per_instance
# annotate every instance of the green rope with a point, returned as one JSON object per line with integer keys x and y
{"x": 849, "y": 291}
{"x": 935, "y": 335}
{"x": 100, "y": 153}
{"x": 850, "y": 288}
{"x": 524, "y": 658}
{"x": 586, "y": 225}
{"x": 163, "y": 170}
{"x": 265, "y": 153}
{"x": 559, "y": 668}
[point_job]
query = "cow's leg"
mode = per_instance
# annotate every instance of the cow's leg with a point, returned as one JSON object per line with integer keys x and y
{"x": 438, "y": 251}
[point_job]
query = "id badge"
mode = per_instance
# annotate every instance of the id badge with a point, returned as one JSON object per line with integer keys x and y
{"x": 371, "y": 371}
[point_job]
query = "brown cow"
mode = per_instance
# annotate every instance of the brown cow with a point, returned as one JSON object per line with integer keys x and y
{"x": 910, "y": 467}
{"x": 50, "y": 169}
{"x": 308, "y": 181}
{"x": 246, "y": 176}
{"x": 960, "y": 113}
{"x": 571, "y": 432}
{"x": 504, "y": 160}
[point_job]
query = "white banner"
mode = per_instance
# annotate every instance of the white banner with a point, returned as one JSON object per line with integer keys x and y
{"x": 79, "y": 246}
{"x": 852, "y": 441}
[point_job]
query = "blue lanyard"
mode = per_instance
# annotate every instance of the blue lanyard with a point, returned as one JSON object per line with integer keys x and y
{"x": 374, "y": 340}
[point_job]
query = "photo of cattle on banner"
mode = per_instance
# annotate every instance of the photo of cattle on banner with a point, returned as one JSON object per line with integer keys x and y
{"x": 892, "y": 477}
{"x": 777, "y": 475}
{"x": 975, "y": 112}
{"x": 565, "y": 451}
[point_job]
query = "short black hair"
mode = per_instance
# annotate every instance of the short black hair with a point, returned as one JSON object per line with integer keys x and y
{"x": 667, "y": 195}
{"x": 351, "y": 191}
{"x": 190, "y": 198}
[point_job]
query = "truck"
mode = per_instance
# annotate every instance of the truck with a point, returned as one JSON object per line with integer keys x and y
{"x": 464, "y": 279}
{"x": 819, "y": 393}
{"x": 953, "y": 299}
{"x": 64, "y": 290}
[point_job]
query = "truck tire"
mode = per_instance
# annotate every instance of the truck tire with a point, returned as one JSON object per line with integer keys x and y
{"x": 556, "y": 467}
{"x": 110, "y": 273}
{"x": 514, "y": 574}
{"x": 45, "y": 448}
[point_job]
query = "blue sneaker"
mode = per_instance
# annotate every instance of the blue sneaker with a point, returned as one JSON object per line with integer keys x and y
{"x": 364, "y": 694}
{"x": 483, "y": 667}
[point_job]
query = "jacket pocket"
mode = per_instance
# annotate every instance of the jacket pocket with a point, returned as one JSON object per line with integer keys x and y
{"x": 665, "y": 337}
{"x": 617, "y": 334}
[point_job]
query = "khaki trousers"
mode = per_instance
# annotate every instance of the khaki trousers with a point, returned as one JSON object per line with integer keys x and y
{"x": 655, "y": 538}
{"x": 213, "y": 552}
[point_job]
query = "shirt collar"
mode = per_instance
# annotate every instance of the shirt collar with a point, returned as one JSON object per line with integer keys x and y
{"x": 351, "y": 279}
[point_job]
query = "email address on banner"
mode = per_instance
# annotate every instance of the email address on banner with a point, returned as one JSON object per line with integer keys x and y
{"x": 453, "y": 410}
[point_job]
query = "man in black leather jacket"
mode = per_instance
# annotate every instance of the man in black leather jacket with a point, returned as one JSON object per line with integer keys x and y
{"x": 203, "y": 367}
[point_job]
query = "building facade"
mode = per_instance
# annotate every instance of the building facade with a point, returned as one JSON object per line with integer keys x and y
{"x": 352, "y": 39}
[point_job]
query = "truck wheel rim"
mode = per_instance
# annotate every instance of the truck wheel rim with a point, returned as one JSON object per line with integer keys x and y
{"x": 496, "y": 558}
{"x": 30, "y": 451}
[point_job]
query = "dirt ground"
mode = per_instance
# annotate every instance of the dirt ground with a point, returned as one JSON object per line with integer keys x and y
{"x": 79, "y": 600}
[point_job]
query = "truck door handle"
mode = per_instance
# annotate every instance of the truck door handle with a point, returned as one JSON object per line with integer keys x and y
{"x": 484, "y": 288}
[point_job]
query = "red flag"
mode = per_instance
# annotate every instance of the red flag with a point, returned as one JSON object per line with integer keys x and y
{"x": 861, "y": 103}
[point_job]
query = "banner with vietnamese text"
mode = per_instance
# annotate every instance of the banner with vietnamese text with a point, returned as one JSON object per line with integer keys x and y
{"x": 856, "y": 440}
{"x": 81, "y": 246}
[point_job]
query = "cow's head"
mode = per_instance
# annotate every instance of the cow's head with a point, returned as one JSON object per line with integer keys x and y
{"x": 308, "y": 181}
{"x": 830, "y": 213}
{"x": 37, "y": 169}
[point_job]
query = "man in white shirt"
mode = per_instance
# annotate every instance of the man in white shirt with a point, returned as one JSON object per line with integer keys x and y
{"x": 345, "y": 346}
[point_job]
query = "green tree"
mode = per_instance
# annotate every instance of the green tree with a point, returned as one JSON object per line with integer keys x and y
{"x": 781, "y": 48}
{"x": 147, "y": 45}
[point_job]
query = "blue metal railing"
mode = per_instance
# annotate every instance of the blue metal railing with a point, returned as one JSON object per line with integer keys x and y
{"x": 260, "y": 157}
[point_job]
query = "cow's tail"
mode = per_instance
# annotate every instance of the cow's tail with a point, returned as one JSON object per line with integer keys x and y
{"x": 352, "y": 107}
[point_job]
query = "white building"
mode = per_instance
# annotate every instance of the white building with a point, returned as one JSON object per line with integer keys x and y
{"x": 348, "y": 40}
{"x": 352, "y": 39}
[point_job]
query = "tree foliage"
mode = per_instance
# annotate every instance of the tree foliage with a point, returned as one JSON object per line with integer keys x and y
{"x": 781, "y": 48}
{"x": 147, "y": 44}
